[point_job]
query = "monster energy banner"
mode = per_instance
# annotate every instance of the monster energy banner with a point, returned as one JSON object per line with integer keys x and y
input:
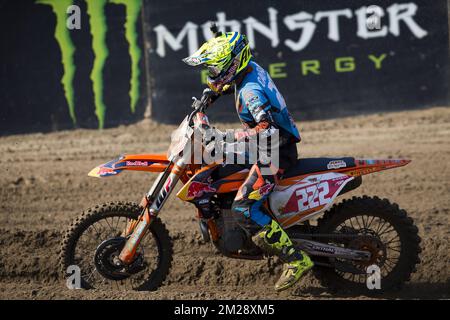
{"x": 100, "y": 63}
{"x": 327, "y": 57}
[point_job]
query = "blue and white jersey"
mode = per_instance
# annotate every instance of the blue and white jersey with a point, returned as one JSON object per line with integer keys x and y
{"x": 258, "y": 99}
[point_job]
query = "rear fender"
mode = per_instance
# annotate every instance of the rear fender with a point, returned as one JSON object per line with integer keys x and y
{"x": 135, "y": 162}
{"x": 300, "y": 198}
{"x": 366, "y": 166}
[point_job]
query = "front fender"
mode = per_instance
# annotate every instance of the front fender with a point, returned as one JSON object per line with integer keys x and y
{"x": 135, "y": 162}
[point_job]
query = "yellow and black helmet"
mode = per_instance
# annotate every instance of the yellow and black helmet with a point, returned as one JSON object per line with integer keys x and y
{"x": 225, "y": 56}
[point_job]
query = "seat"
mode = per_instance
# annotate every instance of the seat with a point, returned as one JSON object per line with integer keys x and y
{"x": 309, "y": 165}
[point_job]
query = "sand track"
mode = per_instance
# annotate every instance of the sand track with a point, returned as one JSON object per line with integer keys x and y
{"x": 43, "y": 186}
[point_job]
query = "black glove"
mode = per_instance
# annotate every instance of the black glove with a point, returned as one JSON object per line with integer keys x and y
{"x": 209, "y": 96}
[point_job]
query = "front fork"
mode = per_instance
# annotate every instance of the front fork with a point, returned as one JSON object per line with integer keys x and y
{"x": 152, "y": 203}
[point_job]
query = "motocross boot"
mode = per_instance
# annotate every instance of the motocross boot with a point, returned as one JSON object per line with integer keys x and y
{"x": 296, "y": 262}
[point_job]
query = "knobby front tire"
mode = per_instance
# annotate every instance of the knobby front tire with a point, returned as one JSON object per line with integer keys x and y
{"x": 89, "y": 224}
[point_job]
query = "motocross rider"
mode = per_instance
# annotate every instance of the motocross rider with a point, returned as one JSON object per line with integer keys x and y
{"x": 262, "y": 110}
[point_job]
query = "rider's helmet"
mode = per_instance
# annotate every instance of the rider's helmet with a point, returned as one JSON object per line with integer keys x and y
{"x": 225, "y": 56}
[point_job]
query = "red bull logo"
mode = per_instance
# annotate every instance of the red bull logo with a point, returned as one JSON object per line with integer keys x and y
{"x": 137, "y": 163}
{"x": 197, "y": 189}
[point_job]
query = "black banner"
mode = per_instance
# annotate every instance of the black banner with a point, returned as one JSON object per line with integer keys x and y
{"x": 328, "y": 58}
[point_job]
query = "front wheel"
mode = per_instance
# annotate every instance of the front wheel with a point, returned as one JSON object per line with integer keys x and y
{"x": 394, "y": 245}
{"x": 95, "y": 239}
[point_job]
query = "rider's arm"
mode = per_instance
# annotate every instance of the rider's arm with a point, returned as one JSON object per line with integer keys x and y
{"x": 264, "y": 125}
{"x": 259, "y": 108}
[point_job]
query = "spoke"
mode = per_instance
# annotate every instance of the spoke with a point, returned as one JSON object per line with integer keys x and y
{"x": 362, "y": 219}
{"x": 364, "y": 222}
{"x": 392, "y": 260}
{"x": 373, "y": 218}
{"x": 117, "y": 224}
{"x": 381, "y": 227}
{"x": 357, "y": 221}
{"x": 399, "y": 245}
{"x": 351, "y": 223}
{"x": 388, "y": 263}
{"x": 383, "y": 231}
{"x": 98, "y": 233}
{"x": 103, "y": 224}
{"x": 388, "y": 228}
{"x": 111, "y": 228}
{"x": 387, "y": 231}
{"x": 385, "y": 271}
{"x": 388, "y": 266}
{"x": 397, "y": 248}
{"x": 377, "y": 224}
{"x": 91, "y": 274}
{"x": 392, "y": 239}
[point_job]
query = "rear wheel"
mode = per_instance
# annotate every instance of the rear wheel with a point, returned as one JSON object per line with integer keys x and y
{"x": 386, "y": 232}
{"x": 95, "y": 239}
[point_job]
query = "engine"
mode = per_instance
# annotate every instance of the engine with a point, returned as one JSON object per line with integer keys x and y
{"x": 236, "y": 230}
{"x": 233, "y": 236}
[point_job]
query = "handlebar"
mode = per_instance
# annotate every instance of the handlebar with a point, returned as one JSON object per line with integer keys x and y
{"x": 198, "y": 106}
{"x": 202, "y": 104}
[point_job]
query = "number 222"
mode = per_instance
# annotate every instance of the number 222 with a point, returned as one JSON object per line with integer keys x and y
{"x": 309, "y": 198}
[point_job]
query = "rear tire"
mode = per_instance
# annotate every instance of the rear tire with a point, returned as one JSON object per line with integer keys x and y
{"x": 382, "y": 209}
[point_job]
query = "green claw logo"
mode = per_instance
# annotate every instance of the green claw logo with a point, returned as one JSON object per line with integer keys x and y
{"x": 98, "y": 28}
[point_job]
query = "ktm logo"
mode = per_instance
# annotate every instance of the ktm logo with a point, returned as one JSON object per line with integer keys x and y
{"x": 98, "y": 28}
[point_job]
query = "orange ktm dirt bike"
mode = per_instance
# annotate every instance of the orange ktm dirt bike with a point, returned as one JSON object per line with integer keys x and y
{"x": 125, "y": 245}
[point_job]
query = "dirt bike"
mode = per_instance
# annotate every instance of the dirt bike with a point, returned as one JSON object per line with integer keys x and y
{"x": 125, "y": 245}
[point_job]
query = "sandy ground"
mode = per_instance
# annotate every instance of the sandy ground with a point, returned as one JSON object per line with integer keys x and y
{"x": 44, "y": 185}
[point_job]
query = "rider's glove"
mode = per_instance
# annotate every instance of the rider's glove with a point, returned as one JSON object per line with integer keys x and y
{"x": 210, "y": 96}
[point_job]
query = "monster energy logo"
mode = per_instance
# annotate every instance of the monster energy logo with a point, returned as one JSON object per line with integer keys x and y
{"x": 98, "y": 28}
